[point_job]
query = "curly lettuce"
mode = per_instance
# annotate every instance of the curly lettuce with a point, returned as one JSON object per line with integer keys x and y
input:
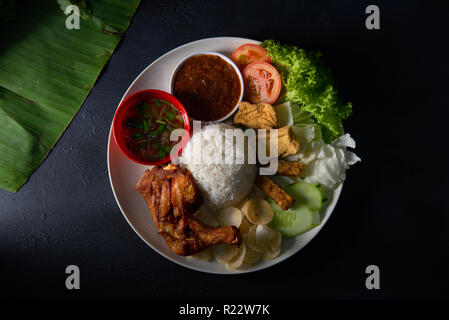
{"x": 309, "y": 83}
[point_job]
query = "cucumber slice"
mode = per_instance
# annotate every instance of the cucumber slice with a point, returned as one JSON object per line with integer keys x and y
{"x": 307, "y": 194}
{"x": 305, "y": 212}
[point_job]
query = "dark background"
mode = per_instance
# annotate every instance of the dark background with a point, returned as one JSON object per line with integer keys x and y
{"x": 393, "y": 210}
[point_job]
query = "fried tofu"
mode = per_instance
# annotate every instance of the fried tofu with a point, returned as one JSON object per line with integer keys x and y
{"x": 287, "y": 143}
{"x": 275, "y": 192}
{"x": 257, "y": 116}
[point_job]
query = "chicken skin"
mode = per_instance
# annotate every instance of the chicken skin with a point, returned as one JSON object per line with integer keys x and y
{"x": 172, "y": 198}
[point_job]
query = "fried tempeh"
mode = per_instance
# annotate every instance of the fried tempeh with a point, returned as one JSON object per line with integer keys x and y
{"x": 257, "y": 116}
{"x": 282, "y": 198}
{"x": 289, "y": 168}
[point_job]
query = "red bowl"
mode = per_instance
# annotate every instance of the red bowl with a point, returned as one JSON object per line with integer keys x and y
{"x": 132, "y": 100}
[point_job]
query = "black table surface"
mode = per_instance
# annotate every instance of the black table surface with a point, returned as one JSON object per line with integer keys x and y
{"x": 392, "y": 212}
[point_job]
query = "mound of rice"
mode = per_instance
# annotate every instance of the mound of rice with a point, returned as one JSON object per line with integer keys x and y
{"x": 220, "y": 184}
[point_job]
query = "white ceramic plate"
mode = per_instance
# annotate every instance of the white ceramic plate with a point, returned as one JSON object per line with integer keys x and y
{"x": 124, "y": 173}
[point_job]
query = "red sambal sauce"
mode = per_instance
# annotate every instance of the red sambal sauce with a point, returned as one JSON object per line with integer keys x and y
{"x": 208, "y": 87}
{"x": 147, "y": 127}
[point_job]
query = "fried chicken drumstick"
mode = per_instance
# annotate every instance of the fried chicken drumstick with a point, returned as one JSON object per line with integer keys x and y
{"x": 172, "y": 198}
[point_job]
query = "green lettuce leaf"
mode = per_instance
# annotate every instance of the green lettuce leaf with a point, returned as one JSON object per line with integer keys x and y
{"x": 300, "y": 116}
{"x": 309, "y": 83}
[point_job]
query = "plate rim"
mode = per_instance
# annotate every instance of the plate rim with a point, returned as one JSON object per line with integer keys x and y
{"x": 331, "y": 207}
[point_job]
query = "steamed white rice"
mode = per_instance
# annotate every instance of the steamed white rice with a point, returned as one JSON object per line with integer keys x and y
{"x": 220, "y": 184}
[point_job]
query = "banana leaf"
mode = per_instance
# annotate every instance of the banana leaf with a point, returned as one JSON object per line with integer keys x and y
{"x": 46, "y": 72}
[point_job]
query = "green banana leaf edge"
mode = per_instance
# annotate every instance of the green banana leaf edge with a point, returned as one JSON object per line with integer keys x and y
{"x": 46, "y": 73}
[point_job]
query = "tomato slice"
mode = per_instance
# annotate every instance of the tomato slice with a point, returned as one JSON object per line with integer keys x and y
{"x": 249, "y": 53}
{"x": 262, "y": 83}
